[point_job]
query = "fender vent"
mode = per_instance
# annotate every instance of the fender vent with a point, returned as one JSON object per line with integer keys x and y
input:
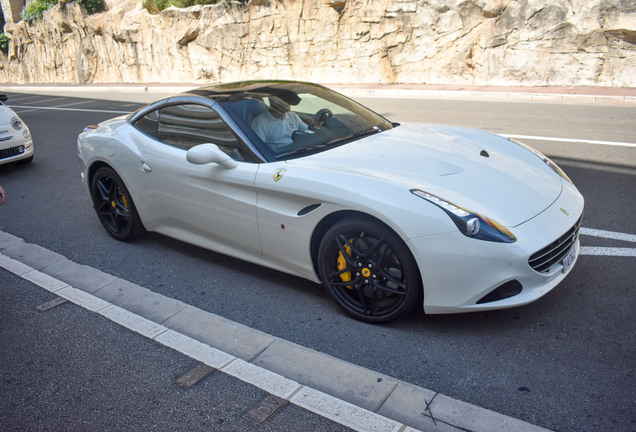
{"x": 308, "y": 209}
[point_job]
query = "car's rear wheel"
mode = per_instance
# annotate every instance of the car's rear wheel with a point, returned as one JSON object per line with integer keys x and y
{"x": 369, "y": 270}
{"x": 114, "y": 206}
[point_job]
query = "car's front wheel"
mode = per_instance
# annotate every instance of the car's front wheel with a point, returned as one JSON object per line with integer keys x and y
{"x": 369, "y": 270}
{"x": 114, "y": 206}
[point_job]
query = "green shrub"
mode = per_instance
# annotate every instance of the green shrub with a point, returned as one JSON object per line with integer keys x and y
{"x": 36, "y": 9}
{"x": 92, "y": 6}
{"x": 4, "y": 43}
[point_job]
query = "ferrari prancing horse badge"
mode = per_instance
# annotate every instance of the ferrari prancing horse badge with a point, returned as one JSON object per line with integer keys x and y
{"x": 278, "y": 174}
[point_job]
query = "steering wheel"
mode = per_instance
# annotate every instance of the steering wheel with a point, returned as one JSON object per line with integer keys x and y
{"x": 321, "y": 117}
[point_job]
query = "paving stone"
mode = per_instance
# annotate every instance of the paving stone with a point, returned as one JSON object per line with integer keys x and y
{"x": 408, "y": 404}
{"x": 32, "y": 255}
{"x": 231, "y": 337}
{"x": 79, "y": 276}
{"x": 139, "y": 300}
{"x": 7, "y": 240}
{"x": 354, "y": 384}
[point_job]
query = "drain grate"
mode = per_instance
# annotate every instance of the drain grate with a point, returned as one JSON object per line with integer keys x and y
{"x": 270, "y": 406}
{"x": 51, "y": 304}
{"x": 195, "y": 376}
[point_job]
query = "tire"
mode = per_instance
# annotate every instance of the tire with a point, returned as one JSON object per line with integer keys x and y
{"x": 114, "y": 205}
{"x": 369, "y": 271}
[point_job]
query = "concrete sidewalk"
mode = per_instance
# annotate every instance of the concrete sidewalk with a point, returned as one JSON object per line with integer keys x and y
{"x": 606, "y": 96}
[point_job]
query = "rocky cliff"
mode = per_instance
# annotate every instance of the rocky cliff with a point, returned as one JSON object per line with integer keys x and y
{"x": 486, "y": 42}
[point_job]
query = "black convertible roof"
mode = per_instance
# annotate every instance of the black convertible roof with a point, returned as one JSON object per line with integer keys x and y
{"x": 286, "y": 90}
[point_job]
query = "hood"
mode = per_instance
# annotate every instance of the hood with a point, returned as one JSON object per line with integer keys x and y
{"x": 5, "y": 115}
{"x": 482, "y": 172}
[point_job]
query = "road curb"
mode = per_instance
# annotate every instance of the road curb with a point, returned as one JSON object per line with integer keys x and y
{"x": 343, "y": 392}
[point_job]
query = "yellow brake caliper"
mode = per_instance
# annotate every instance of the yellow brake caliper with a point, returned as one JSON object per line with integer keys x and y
{"x": 342, "y": 264}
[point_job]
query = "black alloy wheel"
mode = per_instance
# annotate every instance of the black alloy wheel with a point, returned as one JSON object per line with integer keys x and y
{"x": 114, "y": 206}
{"x": 369, "y": 271}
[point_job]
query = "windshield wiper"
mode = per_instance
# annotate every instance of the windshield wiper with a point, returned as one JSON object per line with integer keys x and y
{"x": 333, "y": 143}
{"x": 360, "y": 134}
{"x": 300, "y": 150}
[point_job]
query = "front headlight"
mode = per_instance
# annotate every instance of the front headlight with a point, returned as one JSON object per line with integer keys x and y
{"x": 469, "y": 223}
{"x": 16, "y": 123}
{"x": 554, "y": 167}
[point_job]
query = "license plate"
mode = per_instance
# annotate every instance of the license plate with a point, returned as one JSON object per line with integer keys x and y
{"x": 569, "y": 260}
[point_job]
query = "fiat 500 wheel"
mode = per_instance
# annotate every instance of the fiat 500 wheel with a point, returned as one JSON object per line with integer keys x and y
{"x": 369, "y": 271}
{"x": 114, "y": 206}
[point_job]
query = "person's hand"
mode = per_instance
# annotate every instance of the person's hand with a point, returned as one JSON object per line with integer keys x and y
{"x": 3, "y": 196}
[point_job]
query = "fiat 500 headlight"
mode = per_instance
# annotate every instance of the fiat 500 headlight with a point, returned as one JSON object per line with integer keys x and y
{"x": 16, "y": 123}
{"x": 469, "y": 223}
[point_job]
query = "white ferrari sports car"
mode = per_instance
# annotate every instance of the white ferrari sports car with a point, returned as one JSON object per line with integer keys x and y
{"x": 299, "y": 178}
{"x": 16, "y": 144}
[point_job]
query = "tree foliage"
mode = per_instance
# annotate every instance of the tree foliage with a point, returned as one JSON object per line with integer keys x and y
{"x": 92, "y": 6}
{"x": 36, "y": 9}
{"x": 4, "y": 43}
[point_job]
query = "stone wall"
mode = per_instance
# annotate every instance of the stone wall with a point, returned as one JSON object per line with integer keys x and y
{"x": 479, "y": 42}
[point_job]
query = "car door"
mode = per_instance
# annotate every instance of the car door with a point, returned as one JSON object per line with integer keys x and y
{"x": 207, "y": 205}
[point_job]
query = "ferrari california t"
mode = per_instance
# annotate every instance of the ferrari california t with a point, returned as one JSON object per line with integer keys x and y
{"x": 16, "y": 144}
{"x": 299, "y": 178}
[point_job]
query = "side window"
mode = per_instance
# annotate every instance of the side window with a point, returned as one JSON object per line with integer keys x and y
{"x": 188, "y": 125}
{"x": 148, "y": 123}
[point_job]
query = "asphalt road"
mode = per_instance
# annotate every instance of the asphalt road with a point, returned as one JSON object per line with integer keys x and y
{"x": 564, "y": 362}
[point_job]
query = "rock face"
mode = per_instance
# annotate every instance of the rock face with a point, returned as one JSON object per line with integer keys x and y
{"x": 479, "y": 42}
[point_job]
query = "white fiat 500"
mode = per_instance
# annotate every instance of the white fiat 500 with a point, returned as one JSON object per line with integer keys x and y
{"x": 16, "y": 144}
{"x": 297, "y": 177}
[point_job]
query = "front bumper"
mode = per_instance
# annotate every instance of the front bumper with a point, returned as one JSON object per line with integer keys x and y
{"x": 15, "y": 149}
{"x": 457, "y": 271}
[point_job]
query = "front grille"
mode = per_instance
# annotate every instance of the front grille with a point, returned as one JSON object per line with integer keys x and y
{"x": 12, "y": 151}
{"x": 554, "y": 253}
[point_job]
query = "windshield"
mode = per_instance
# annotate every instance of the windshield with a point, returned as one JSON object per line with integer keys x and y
{"x": 290, "y": 119}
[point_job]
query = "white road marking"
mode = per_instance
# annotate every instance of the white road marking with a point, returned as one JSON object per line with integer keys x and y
{"x": 608, "y": 234}
{"x": 608, "y": 251}
{"x": 570, "y": 140}
{"x": 67, "y": 109}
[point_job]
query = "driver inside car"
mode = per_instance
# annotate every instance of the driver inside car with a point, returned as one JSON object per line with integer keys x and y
{"x": 276, "y": 125}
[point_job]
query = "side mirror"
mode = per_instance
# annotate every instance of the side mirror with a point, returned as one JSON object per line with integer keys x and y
{"x": 210, "y": 153}
{"x": 3, "y": 97}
